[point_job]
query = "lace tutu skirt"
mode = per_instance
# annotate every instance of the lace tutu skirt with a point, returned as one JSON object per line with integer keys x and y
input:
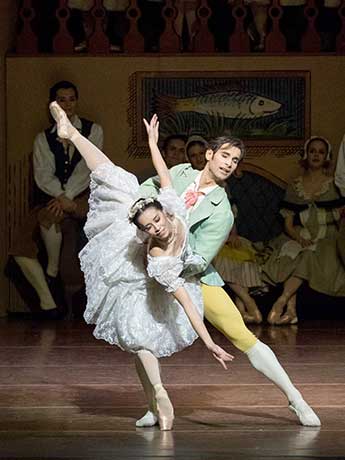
{"x": 128, "y": 308}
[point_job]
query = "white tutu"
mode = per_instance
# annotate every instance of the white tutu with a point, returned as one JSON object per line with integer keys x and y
{"x": 128, "y": 302}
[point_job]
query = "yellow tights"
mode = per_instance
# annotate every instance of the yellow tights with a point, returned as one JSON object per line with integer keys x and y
{"x": 222, "y": 313}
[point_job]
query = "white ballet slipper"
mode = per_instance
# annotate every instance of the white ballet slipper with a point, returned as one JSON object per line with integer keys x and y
{"x": 305, "y": 413}
{"x": 149, "y": 419}
{"x": 65, "y": 129}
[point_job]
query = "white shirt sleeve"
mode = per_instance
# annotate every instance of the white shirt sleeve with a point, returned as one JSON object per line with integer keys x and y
{"x": 80, "y": 177}
{"x": 340, "y": 168}
{"x": 44, "y": 167}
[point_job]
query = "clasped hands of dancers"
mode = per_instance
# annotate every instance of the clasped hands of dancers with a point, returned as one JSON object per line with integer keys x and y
{"x": 136, "y": 303}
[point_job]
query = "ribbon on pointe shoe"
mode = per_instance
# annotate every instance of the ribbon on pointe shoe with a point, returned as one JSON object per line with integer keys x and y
{"x": 191, "y": 198}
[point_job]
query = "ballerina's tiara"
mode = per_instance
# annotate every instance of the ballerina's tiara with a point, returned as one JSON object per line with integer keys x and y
{"x": 138, "y": 206}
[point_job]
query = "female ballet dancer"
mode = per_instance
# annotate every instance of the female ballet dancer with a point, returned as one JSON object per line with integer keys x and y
{"x": 124, "y": 300}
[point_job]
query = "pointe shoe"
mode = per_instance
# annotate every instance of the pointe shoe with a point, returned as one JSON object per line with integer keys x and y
{"x": 248, "y": 319}
{"x": 255, "y": 314}
{"x": 149, "y": 419}
{"x": 277, "y": 310}
{"x": 287, "y": 318}
{"x": 305, "y": 413}
{"x": 251, "y": 312}
{"x": 290, "y": 316}
{"x": 65, "y": 129}
{"x": 165, "y": 410}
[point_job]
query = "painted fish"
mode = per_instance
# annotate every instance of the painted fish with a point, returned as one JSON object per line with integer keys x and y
{"x": 231, "y": 104}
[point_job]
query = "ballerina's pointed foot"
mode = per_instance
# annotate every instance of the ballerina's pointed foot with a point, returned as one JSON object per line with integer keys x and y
{"x": 165, "y": 410}
{"x": 149, "y": 419}
{"x": 65, "y": 129}
{"x": 305, "y": 413}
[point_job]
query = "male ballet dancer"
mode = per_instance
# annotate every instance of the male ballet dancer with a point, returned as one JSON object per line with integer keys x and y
{"x": 210, "y": 221}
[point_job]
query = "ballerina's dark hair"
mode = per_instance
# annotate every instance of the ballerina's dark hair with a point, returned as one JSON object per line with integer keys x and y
{"x": 140, "y": 206}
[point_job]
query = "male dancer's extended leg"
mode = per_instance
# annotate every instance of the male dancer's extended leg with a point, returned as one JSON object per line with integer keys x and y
{"x": 222, "y": 313}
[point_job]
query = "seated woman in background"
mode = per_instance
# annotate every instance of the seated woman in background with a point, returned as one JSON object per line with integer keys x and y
{"x": 307, "y": 251}
{"x": 237, "y": 265}
{"x": 196, "y": 147}
{"x": 340, "y": 183}
{"x": 236, "y": 262}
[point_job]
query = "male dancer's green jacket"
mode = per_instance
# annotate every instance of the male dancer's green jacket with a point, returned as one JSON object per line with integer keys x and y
{"x": 210, "y": 223}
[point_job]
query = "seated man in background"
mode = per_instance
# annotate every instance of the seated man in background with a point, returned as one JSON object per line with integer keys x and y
{"x": 236, "y": 260}
{"x": 174, "y": 150}
{"x": 62, "y": 180}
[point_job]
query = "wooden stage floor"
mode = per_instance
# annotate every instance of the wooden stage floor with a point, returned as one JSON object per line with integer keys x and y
{"x": 65, "y": 395}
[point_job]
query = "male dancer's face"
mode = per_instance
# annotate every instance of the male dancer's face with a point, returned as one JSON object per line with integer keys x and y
{"x": 67, "y": 100}
{"x": 222, "y": 163}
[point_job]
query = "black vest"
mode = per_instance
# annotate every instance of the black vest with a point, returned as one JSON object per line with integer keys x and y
{"x": 64, "y": 166}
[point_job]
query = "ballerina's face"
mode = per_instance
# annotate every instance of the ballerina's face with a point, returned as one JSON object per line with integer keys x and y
{"x": 155, "y": 223}
{"x": 317, "y": 154}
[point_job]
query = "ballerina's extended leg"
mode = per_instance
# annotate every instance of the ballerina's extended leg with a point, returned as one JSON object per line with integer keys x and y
{"x": 165, "y": 410}
{"x": 150, "y": 418}
{"x": 91, "y": 154}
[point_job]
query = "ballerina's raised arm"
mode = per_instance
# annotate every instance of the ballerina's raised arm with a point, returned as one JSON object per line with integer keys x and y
{"x": 152, "y": 129}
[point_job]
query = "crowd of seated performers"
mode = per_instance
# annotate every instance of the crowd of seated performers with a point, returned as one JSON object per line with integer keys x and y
{"x": 61, "y": 204}
{"x": 310, "y": 250}
{"x": 151, "y": 23}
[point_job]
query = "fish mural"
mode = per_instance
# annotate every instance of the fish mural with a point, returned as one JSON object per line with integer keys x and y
{"x": 231, "y": 104}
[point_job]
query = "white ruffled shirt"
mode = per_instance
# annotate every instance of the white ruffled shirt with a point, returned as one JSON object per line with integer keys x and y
{"x": 44, "y": 164}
